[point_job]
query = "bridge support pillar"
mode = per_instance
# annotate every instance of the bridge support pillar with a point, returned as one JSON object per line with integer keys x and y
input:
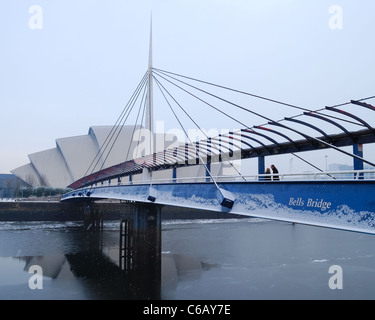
{"x": 358, "y": 164}
{"x": 261, "y": 166}
{"x": 147, "y": 239}
{"x": 93, "y": 218}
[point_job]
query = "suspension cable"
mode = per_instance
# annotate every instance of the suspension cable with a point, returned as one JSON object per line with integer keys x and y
{"x": 270, "y": 121}
{"x": 114, "y": 128}
{"x": 195, "y": 123}
{"x": 120, "y": 127}
{"x": 183, "y": 128}
{"x": 143, "y": 102}
{"x": 167, "y": 73}
{"x": 163, "y": 74}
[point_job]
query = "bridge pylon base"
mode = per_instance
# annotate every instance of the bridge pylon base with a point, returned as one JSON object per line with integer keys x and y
{"x": 93, "y": 218}
{"x": 147, "y": 234}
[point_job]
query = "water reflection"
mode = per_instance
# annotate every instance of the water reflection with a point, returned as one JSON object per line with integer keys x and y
{"x": 83, "y": 275}
{"x": 94, "y": 275}
{"x": 88, "y": 265}
{"x": 256, "y": 261}
{"x": 177, "y": 269}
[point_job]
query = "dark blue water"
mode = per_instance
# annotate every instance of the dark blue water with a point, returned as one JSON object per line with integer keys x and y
{"x": 216, "y": 259}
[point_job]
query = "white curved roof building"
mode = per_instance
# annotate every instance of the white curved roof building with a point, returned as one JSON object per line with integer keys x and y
{"x": 76, "y": 157}
{"x": 73, "y": 156}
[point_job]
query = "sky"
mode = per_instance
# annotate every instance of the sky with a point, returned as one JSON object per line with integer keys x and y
{"x": 68, "y": 65}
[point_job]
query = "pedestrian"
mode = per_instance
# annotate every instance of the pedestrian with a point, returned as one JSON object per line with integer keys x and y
{"x": 275, "y": 173}
{"x": 267, "y": 176}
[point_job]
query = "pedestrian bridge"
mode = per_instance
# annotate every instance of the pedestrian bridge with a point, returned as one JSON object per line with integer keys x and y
{"x": 340, "y": 203}
{"x": 342, "y": 200}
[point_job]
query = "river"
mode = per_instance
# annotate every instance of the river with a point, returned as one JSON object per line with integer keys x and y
{"x": 223, "y": 259}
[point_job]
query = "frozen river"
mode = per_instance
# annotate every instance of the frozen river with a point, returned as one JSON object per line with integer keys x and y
{"x": 201, "y": 259}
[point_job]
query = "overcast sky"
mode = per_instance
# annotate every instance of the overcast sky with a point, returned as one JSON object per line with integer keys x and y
{"x": 68, "y": 65}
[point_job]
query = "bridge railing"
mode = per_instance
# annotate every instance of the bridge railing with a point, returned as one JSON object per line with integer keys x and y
{"x": 304, "y": 176}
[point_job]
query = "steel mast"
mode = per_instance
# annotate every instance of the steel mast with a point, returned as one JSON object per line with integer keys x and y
{"x": 149, "y": 119}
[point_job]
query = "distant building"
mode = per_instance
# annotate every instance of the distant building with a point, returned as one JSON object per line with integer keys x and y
{"x": 10, "y": 186}
{"x": 337, "y": 167}
{"x": 72, "y": 157}
{"x": 340, "y": 167}
{"x": 346, "y": 167}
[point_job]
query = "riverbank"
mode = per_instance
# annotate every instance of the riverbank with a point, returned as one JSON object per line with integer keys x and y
{"x": 51, "y": 209}
{"x": 39, "y": 211}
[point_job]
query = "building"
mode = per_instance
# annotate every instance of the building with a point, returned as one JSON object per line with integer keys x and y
{"x": 10, "y": 186}
{"x": 74, "y": 157}
{"x": 103, "y": 146}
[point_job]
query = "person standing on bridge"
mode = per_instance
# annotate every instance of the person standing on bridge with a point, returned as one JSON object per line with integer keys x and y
{"x": 267, "y": 176}
{"x": 275, "y": 173}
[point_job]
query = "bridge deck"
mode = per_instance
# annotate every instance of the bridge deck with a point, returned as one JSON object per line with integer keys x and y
{"x": 343, "y": 204}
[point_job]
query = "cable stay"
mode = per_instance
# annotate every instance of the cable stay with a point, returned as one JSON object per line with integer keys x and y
{"x": 242, "y": 141}
{"x": 248, "y": 110}
{"x": 358, "y": 102}
{"x": 195, "y": 123}
{"x": 270, "y": 121}
{"x": 234, "y": 90}
{"x": 310, "y": 164}
{"x": 115, "y": 127}
{"x": 116, "y": 132}
{"x": 121, "y": 127}
{"x": 143, "y": 102}
{"x": 252, "y": 95}
{"x": 228, "y": 199}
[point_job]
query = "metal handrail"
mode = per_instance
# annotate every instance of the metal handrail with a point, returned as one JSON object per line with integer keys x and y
{"x": 304, "y": 176}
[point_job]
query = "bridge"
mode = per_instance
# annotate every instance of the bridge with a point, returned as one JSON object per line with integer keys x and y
{"x": 340, "y": 200}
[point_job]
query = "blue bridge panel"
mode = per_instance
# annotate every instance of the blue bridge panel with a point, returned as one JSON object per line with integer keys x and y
{"x": 347, "y": 205}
